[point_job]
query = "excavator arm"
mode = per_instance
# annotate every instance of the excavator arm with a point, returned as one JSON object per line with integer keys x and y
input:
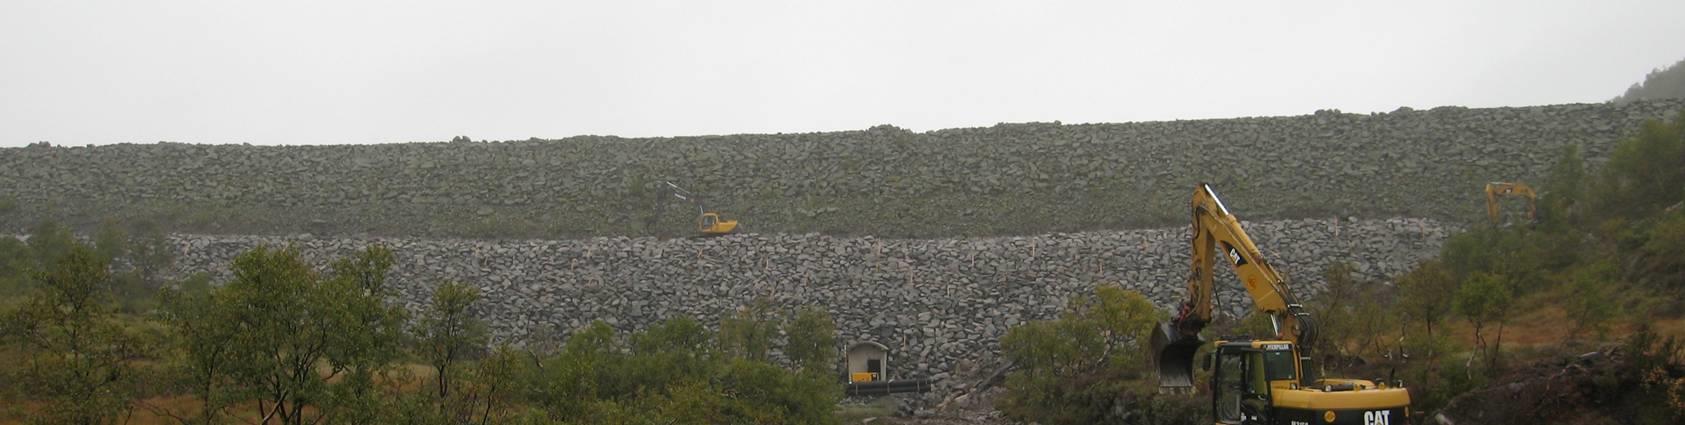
{"x": 686, "y": 196}
{"x": 708, "y": 223}
{"x": 1217, "y": 236}
{"x": 1522, "y": 190}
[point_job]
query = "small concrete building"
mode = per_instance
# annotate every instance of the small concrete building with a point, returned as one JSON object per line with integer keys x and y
{"x": 867, "y": 362}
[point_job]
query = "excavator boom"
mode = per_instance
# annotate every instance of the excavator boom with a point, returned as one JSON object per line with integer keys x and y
{"x": 1215, "y": 231}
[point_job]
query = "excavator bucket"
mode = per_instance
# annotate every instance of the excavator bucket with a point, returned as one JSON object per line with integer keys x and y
{"x": 1174, "y": 356}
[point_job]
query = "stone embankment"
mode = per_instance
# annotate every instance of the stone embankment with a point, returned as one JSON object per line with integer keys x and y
{"x": 1009, "y": 179}
{"x": 933, "y": 302}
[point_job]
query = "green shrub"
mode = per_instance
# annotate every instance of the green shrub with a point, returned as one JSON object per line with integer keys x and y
{"x": 673, "y": 371}
{"x": 1089, "y": 365}
{"x": 1589, "y": 304}
{"x": 1663, "y": 253}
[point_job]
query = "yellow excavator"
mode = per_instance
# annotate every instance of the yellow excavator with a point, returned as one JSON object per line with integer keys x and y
{"x": 1262, "y": 380}
{"x": 1522, "y": 190}
{"x": 708, "y": 223}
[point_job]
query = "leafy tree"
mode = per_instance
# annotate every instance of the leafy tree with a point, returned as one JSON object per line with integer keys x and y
{"x": 495, "y": 382}
{"x": 675, "y": 335}
{"x": 78, "y": 355}
{"x": 1353, "y": 318}
{"x": 1333, "y": 308}
{"x": 1644, "y": 174}
{"x": 309, "y": 349}
{"x": 668, "y": 372}
{"x": 280, "y": 332}
{"x": 674, "y": 351}
{"x": 1073, "y": 370}
{"x": 761, "y": 392}
{"x": 1425, "y": 298}
{"x": 748, "y": 334}
{"x": 110, "y": 240}
{"x": 1589, "y": 304}
{"x": 812, "y": 341}
{"x": 1471, "y": 251}
{"x": 151, "y": 252}
{"x": 371, "y": 337}
{"x": 1660, "y": 260}
{"x": 448, "y": 333}
{"x": 1483, "y": 300}
{"x": 134, "y": 293}
{"x": 1425, "y": 294}
{"x": 695, "y": 402}
{"x": 16, "y": 261}
{"x": 567, "y": 384}
{"x": 1425, "y": 372}
{"x": 50, "y": 240}
{"x": 201, "y": 335}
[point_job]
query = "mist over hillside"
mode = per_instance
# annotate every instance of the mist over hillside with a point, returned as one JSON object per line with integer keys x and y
{"x": 1662, "y": 83}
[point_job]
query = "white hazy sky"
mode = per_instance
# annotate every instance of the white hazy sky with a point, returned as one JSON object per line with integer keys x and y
{"x": 77, "y": 72}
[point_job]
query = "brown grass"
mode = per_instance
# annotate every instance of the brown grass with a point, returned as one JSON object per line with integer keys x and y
{"x": 1540, "y": 320}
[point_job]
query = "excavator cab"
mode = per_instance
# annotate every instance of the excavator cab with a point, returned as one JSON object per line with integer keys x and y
{"x": 1242, "y": 375}
{"x": 710, "y": 224}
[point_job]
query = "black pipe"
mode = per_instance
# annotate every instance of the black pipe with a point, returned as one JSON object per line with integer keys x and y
{"x": 888, "y": 387}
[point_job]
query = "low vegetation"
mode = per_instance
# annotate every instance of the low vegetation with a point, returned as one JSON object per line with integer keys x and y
{"x": 284, "y": 343}
{"x": 1091, "y": 366}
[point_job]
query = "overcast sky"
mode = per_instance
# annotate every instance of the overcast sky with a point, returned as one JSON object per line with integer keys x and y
{"x": 311, "y": 72}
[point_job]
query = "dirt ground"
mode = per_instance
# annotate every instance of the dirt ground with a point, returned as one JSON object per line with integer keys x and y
{"x": 977, "y": 410}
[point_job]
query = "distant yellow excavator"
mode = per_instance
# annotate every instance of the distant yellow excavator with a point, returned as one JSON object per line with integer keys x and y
{"x": 708, "y": 223}
{"x": 1494, "y": 208}
{"x": 1268, "y": 380}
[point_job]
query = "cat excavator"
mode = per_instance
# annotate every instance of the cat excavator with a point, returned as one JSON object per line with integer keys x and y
{"x": 1260, "y": 380}
{"x": 708, "y": 223}
{"x": 1522, "y": 190}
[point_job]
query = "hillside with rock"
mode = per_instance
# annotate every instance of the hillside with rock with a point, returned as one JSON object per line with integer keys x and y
{"x": 1010, "y": 179}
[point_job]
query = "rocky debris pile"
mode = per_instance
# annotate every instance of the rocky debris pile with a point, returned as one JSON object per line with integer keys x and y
{"x": 1003, "y": 180}
{"x": 972, "y": 387}
{"x": 1614, "y": 385}
{"x": 932, "y": 301}
{"x": 1542, "y": 392}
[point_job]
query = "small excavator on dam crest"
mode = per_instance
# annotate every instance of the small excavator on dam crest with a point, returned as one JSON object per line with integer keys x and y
{"x": 1268, "y": 380}
{"x": 708, "y": 223}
